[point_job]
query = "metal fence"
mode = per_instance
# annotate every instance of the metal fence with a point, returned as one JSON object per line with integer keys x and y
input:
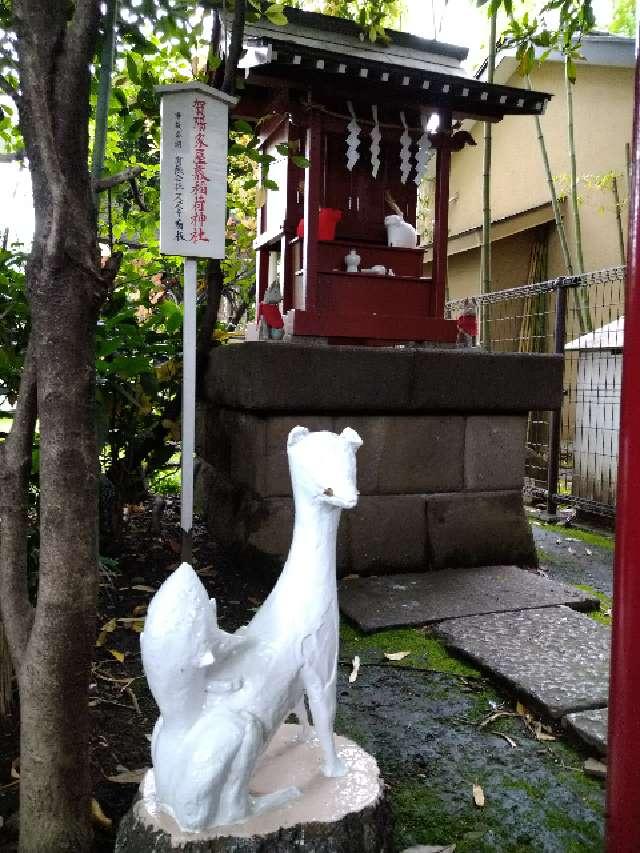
{"x": 572, "y": 456}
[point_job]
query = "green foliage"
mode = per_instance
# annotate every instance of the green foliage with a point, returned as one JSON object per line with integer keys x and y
{"x": 138, "y": 364}
{"x": 373, "y": 16}
{"x": 14, "y": 322}
{"x": 624, "y": 18}
{"x": 558, "y": 25}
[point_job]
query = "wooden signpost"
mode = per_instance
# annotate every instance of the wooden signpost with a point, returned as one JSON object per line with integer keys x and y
{"x": 193, "y": 188}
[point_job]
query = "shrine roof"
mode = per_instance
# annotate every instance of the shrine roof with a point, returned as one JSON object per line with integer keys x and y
{"x": 321, "y": 50}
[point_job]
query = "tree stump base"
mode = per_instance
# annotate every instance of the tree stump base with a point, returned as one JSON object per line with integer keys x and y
{"x": 345, "y": 815}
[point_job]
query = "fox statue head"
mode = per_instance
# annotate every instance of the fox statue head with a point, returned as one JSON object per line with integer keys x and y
{"x": 323, "y": 466}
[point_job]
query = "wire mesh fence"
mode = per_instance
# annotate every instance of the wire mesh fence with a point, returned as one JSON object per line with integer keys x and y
{"x": 581, "y": 317}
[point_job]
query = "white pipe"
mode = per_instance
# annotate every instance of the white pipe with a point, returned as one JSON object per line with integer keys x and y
{"x": 188, "y": 393}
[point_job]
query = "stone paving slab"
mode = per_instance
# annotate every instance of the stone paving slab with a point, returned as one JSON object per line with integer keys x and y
{"x": 557, "y": 659}
{"x": 590, "y": 727}
{"x": 405, "y": 600}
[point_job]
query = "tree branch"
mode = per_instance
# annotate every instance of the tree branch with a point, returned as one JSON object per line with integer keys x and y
{"x": 235, "y": 48}
{"x": 15, "y": 466}
{"x": 79, "y": 41}
{"x": 110, "y": 181}
{"x": 214, "y": 48}
{"x": 215, "y": 283}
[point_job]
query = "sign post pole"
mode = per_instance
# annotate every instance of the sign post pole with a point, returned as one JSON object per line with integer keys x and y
{"x": 193, "y": 192}
{"x": 188, "y": 407}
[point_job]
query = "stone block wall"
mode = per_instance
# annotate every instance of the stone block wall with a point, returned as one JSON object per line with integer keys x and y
{"x": 435, "y": 490}
{"x": 441, "y": 469}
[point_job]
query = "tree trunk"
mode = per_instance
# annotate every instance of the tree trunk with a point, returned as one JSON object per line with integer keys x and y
{"x": 215, "y": 275}
{"x": 54, "y": 676}
{"x": 53, "y": 648}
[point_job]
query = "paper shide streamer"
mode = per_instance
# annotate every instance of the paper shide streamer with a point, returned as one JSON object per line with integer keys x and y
{"x": 376, "y": 136}
{"x": 405, "y": 150}
{"x": 424, "y": 148}
{"x": 353, "y": 138}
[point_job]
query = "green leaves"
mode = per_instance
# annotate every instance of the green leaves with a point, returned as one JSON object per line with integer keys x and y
{"x": 534, "y": 38}
{"x": 275, "y": 14}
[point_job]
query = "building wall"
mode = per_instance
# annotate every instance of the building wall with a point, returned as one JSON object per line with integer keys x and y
{"x": 602, "y": 120}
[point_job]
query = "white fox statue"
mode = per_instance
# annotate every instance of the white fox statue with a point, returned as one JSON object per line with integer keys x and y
{"x": 223, "y": 696}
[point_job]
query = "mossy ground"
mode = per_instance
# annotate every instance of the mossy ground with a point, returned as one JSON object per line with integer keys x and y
{"x": 425, "y": 652}
{"x": 603, "y": 616}
{"x": 589, "y": 537}
{"x": 421, "y": 717}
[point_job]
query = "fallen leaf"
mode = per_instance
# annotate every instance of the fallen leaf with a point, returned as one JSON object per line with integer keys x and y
{"x": 98, "y": 816}
{"x": 508, "y": 739}
{"x": 478, "y": 796}
{"x": 119, "y": 656}
{"x": 142, "y": 587}
{"x": 595, "y": 768}
{"x": 433, "y": 848}
{"x": 106, "y": 629}
{"x": 541, "y": 735}
{"x": 128, "y": 777}
{"x": 355, "y": 670}
{"x": 496, "y": 716}
{"x": 396, "y": 655}
{"x": 135, "y": 623}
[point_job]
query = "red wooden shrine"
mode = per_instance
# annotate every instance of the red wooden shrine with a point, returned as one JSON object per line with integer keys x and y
{"x": 299, "y": 82}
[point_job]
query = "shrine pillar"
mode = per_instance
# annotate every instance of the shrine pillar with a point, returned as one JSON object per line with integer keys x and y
{"x": 441, "y": 224}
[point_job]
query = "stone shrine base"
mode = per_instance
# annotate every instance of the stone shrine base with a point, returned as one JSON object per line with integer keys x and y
{"x": 440, "y": 472}
{"x": 346, "y": 815}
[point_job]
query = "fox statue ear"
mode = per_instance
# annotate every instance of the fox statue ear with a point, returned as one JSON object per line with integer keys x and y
{"x": 296, "y": 434}
{"x": 351, "y": 437}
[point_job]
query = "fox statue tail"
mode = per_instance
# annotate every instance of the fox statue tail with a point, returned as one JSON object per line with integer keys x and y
{"x": 181, "y": 642}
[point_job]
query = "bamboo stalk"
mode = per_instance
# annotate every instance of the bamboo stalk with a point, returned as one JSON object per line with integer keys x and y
{"x": 616, "y": 196}
{"x": 555, "y": 204}
{"x": 486, "y": 193}
{"x": 582, "y": 299}
{"x": 104, "y": 90}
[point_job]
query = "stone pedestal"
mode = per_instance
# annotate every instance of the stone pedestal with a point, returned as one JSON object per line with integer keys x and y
{"x": 441, "y": 469}
{"x": 346, "y": 815}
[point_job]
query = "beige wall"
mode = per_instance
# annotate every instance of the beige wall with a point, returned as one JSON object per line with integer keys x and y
{"x": 602, "y": 115}
{"x": 509, "y": 261}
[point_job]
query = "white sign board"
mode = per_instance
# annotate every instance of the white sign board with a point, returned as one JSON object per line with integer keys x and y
{"x": 193, "y": 170}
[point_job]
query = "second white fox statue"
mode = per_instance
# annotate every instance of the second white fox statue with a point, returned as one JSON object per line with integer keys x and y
{"x": 223, "y": 696}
